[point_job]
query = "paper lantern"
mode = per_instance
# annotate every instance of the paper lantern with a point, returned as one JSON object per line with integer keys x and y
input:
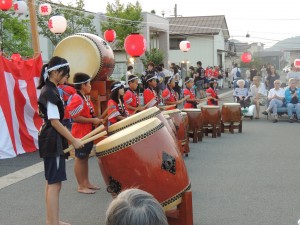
{"x": 45, "y": 9}
{"x": 185, "y": 46}
{"x": 110, "y": 35}
{"x": 135, "y": 44}
{"x": 246, "y": 57}
{"x": 5, "y": 4}
{"x": 57, "y": 24}
{"x": 297, "y": 63}
{"x": 20, "y": 7}
{"x": 16, "y": 57}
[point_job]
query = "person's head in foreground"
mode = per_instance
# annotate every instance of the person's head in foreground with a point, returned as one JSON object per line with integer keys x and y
{"x": 135, "y": 207}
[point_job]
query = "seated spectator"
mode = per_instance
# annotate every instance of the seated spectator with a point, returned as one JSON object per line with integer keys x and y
{"x": 242, "y": 95}
{"x": 275, "y": 96}
{"x": 135, "y": 207}
{"x": 259, "y": 94}
{"x": 292, "y": 98}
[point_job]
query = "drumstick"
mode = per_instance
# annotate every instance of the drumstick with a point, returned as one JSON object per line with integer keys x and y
{"x": 166, "y": 107}
{"x": 93, "y": 132}
{"x": 86, "y": 140}
{"x": 105, "y": 118}
{"x": 105, "y": 111}
{"x": 145, "y": 106}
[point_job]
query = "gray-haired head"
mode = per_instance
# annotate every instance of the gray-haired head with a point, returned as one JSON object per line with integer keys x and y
{"x": 240, "y": 82}
{"x": 135, "y": 207}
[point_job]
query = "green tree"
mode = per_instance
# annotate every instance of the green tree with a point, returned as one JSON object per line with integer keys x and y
{"x": 123, "y": 19}
{"x": 15, "y": 35}
{"x": 78, "y": 21}
{"x": 154, "y": 55}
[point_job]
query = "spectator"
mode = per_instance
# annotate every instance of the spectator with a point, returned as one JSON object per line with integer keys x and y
{"x": 161, "y": 80}
{"x": 253, "y": 73}
{"x": 271, "y": 78}
{"x": 242, "y": 95}
{"x": 292, "y": 98}
{"x": 275, "y": 96}
{"x": 135, "y": 207}
{"x": 259, "y": 94}
{"x": 236, "y": 72}
{"x": 199, "y": 79}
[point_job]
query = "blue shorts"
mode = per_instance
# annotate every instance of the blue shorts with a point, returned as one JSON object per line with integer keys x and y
{"x": 55, "y": 169}
{"x": 85, "y": 151}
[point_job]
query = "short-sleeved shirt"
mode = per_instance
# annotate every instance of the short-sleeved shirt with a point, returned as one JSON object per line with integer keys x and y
{"x": 115, "y": 110}
{"x": 80, "y": 106}
{"x": 131, "y": 99}
{"x": 239, "y": 92}
{"x": 169, "y": 95}
{"x": 271, "y": 80}
{"x": 213, "y": 93}
{"x": 149, "y": 94}
{"x": 261, "y": 89}
{"x": 279, "y": 93}
{"x": 188, "y": 105}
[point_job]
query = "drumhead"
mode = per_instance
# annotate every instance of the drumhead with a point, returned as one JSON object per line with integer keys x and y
{"x": 210, "y": 107}
{"x": 128, "y": 136}
{"x": 232, "y": 104}
{"x": 136, "y": 118}
{"x": 191, "y": 110}
{"x": 170, "y": 112}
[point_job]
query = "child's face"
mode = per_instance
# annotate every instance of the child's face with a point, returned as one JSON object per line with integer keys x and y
{"x": 190, "y": 84}
{"x": 121, "y": 91}
{"x": 86, "y": 87}
{"x": 134, "y": 84}
{"x": 152, "y": 83}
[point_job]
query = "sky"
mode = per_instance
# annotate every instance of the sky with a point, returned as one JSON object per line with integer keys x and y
{"x": 266, "y": 21}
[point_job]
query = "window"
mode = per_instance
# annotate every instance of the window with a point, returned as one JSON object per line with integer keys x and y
{"x": 174, "y": 43}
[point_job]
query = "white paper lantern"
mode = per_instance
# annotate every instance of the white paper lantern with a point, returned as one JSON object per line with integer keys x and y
{"x": 185, "y": 46}
{"x": 57, "y": 24}
{"x": 45, "y": 9}
{"x": 20, "y": 7}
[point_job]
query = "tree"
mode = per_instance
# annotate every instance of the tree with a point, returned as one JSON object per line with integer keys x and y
{"x": 154, "y": 55}
{"x": 78, "y": 21}
{"x": 15, "y": 35}
{"x": 123, "y": 19}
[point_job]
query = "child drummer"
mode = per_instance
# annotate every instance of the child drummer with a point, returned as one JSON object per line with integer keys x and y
{"x": 131, "y": 98}
{"x": 117, "y": 110}
{"x": 81, "y": 110}
{"x": 150, "y": 95}
{"x": 191, "y": 102}
{"x": 169, "y": 95}
{"x": 53, "y": 135}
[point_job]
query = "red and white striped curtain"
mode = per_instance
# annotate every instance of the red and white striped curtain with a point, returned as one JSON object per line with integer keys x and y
{"x": 19, "y": 119}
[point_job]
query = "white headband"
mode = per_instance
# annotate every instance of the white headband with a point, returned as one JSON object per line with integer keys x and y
{"x": 190, "y": 79}
{"x": 82, "y": 82}
{"x": 53, "y": 68}
{"x": 116, "y": 86}
{"x": 133, "y": 78}
{"x": 151, "y": 78}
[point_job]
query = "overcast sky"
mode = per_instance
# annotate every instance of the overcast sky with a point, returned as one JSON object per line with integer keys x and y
{"x": 266, "y": 21}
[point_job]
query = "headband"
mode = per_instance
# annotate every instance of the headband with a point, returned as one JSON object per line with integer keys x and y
{"x": 190, "y": 79}
{"x": 53, "y": 68}
{"x": 151, "y": 78}
{"x": 116, "y": 86}
{"x": 82, "y": 82}
{"x": 133, "y": 78}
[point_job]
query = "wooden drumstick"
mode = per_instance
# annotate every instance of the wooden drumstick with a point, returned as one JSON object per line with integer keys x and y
{"x": 71, "y": 147}
{"x": 166, "y": 107}
{"x": 93, "y": 132}
{"x": 105, "y": 118}
{"x": 105, "y": 111}
{"x": 145, "y": 106}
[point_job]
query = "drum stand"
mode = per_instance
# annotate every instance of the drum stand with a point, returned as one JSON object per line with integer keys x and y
{"x": 183, "y": 214}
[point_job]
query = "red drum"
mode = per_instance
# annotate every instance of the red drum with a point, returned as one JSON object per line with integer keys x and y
{"x": 87, "y": 53}
{"x": 211, "y": 117}
{"x": 195, "y": 123}
{"x": 138, "y": 117}
{"x": 176, "y": 116}
{"x": 144, "y": 156}
{"x": 231, "y": 117}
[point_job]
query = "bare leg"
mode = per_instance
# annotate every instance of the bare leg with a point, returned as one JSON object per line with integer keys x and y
{"x": 81, "y": 173}
{"x": 257, "y": 106}
{"x": 52, "y": 203}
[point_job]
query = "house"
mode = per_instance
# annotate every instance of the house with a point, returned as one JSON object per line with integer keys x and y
{"x": 207, "y": 35}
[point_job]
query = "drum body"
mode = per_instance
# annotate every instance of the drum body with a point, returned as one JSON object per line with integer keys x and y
{"x": 231, "y": 112}
{"x": 195, "y": 118}
{"x": 139, "y": 117}
{"x": 211, "y": 115}
{"x": 171, "y": 123}
{"x": 176, "y": 116}
{"x": 144, "y": 156}
{"x": 87, "y": 53}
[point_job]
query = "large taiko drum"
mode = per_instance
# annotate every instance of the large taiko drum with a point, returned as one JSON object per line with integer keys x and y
{"x": 211, "y": 117}
{"x": 138, "y": 117}
{"x": 144, "y": 156}
{"x": 231, "y": 112}
{"x": 195, "y": 119}
{"x": 87, "y": 53}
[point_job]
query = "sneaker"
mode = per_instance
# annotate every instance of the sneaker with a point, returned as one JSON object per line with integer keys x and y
{"x": 265, "y": 113}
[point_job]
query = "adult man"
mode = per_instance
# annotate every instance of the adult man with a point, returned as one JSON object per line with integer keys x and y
{"x": 200, "y": 79}
{"x": 236, "y": 72}
{"x": 292, "y": 98}
{"x": 275, "y": 96}
{"x": 259, "y": 94}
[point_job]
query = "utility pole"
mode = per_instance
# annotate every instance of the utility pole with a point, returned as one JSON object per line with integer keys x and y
{"x": 34, "y": 28}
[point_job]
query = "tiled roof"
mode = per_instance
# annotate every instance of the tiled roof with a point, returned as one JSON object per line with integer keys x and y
{"x": 198, "y": 25}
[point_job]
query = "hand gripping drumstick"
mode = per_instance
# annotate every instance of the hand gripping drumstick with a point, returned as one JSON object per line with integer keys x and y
{"x": 105, "y": 111}
{"x": 86, "y": 140}
{"x": 166, "y": 107}
{"x": 145, "y": 106}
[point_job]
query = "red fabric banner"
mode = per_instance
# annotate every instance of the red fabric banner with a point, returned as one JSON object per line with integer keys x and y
{"x": 19, "y": 119}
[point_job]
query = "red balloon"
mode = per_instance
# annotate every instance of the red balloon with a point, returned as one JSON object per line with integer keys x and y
{"x": 246, "y": 57}
{"x": 5, "y": 4}
{"x": 110, "y": 35}
{"x": 135, "y": 44}
{"x": 16, "y": 57}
